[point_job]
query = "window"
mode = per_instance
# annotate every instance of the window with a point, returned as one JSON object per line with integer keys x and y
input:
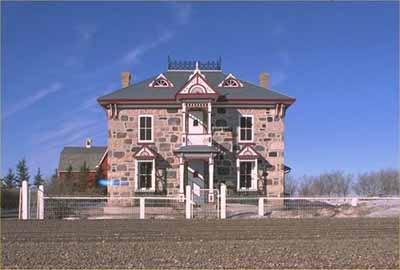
{"x": 231, "y": 83}
{"x": 161, "y": 83}
{"x": 247, "y": 179}
{"x": 273, "y": 154}
{"x": 221, "y": 110}
{"x": 246, "y": 128}
{"x": 145, "y": 128}
{"x": 145, "y": 175}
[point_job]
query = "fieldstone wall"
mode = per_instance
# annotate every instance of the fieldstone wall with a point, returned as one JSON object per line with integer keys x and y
{"x": 269, "y": 142}
{"x": 123, "y": 143}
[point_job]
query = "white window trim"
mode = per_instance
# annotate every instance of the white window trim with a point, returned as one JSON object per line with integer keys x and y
{"x": 152, "y": 128}
{"x": 252, "y": 129}
{"x": 153, "y": 176}
{"x": 253, "y": 173}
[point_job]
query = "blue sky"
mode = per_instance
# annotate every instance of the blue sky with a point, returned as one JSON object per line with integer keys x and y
{"x": 339, "y": 60}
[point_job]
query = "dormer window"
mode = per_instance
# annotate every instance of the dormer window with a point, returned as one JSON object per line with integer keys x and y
{"x": 161, "y": 82}
{"x": 230, "y": 82}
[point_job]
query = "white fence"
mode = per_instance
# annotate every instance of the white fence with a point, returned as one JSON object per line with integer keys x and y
{"x": 206, "y": 204}
{"x": 312, "y": 207}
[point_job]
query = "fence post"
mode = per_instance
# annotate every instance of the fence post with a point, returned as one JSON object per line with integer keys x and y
{"x": 141, "y": 208}
{"x": 24, "y": 200}
{"x": 223, "y": 201}
{"x": 260, "y": 207}
{"x": 40, "y": 202}
{"x": 188, "y": 201}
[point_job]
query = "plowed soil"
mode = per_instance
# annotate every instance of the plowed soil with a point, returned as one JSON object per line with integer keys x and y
{"x": 346, "y": 243}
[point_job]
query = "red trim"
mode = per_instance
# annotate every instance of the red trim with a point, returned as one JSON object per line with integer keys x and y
{"x": 196, "y": 96}
{"x": 145, "y": 158}
{"x": 248, "y": 156}
{"x": 196, "y": 76}
{"x": 144, "y": 146}
{"x": 173, "y": 101}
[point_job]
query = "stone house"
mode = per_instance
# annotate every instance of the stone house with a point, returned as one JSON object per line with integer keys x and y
{"x": 195, "y": 125}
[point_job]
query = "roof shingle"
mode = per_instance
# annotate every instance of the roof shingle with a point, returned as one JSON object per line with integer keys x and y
{"x": 76, "y": 156}
{"x": 142, "y": 91}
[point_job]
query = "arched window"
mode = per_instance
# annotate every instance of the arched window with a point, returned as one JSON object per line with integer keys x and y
{"x": 160, "y": 83}
{"x": 230, "y": 83}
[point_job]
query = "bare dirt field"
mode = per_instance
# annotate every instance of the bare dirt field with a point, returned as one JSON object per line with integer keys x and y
{"x": 345, "y": 243}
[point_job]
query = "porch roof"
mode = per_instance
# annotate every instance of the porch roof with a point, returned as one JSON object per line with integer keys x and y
{"x": 196, "y": 149}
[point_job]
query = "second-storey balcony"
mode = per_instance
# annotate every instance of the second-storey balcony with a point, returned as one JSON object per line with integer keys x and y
{"x": 197, "y": 139}
{"x": 196, "y": 124}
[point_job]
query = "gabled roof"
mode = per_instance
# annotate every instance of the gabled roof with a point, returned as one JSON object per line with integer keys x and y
{"x": 145, "y": 153}
{"x": 247, "y": 152}
{"x": 197, "y": 87}
{"x": 142, "y": 92}
{"x": 76, "y": 156}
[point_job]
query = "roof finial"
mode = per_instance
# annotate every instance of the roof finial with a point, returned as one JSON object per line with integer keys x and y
{"x": 197, "y": 65}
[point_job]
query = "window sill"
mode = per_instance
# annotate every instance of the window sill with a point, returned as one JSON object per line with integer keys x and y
{"x": 145, "y": 142}
{"x": 246, "y": 189}
{"x": 246, "y": 142}
{"x": 146, "y": 190}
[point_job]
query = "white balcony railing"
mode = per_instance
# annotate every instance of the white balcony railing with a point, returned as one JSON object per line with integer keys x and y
{"x": 197, "y": 139}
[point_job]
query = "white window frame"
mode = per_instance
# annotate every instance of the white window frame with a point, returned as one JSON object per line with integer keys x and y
{"x": 152, "y": 128}
{"x": 252, "y": 129}
{"x": 137, "y": 178}
{"x": 254, "y": 177}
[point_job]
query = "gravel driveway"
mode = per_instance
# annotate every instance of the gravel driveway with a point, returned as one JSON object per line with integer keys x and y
{"x": 305, "y": 243}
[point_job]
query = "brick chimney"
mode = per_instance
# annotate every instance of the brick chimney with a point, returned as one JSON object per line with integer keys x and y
{"x": 126, "y": 79}
{"x": 264, "y": 79}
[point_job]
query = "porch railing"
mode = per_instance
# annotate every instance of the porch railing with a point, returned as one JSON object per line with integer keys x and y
{"x": 197, "y": 139}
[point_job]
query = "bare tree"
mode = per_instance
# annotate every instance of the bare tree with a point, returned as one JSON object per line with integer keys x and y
{"x": 290, "y": 185}
{"x": 381, "y": 183}
{"x": 335, "y": 183}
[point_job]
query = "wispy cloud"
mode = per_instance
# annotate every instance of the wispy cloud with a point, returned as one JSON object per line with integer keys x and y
{"x": 278, "y": 77}
{"x": 33, "y": 99}
{"x": 86, "y": 31}
{"x": 183, "y": 12}
{"x": 134, "y": 54}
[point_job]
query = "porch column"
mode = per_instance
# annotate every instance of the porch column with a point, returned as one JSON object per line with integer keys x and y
{"x": 211, "y": 172}
{"x": 209, "y": 123}
{"x": 181, "y": 174}
{"x": 184, "y": 137}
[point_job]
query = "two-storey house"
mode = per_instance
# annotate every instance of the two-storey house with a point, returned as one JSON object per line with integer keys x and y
{"x": 195, "y": 124}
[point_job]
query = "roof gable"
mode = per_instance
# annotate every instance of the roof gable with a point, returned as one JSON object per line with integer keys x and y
{"x": 161, "y": 82}
{"x": 197, "y": 86}
{"x": 145, "y": 153}
{"x": 247, "y": 152}
{"x": 76, "y": 156}
{"x": 230, "y": 81}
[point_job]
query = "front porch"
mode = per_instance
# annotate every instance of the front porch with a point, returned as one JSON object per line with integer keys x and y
{"x": 196, "y": 167}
